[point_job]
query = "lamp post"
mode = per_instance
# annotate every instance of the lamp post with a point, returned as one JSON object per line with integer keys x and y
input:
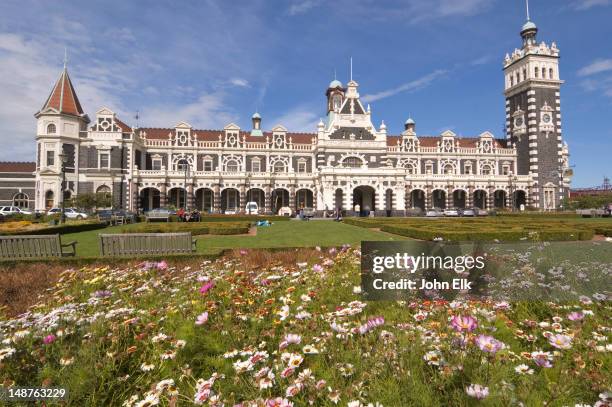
{"x": 186, "y": 176}
{"x": 63, "y": 158}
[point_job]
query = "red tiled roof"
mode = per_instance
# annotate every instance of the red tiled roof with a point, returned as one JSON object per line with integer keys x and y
{"x": 63, "y": 98}
{"x": 8, "y": 166}
{"x": 124, "y": 127}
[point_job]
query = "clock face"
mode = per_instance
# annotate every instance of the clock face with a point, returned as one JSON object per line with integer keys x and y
{"x": 518, "y": 122}
{"x": 546, "y": 118}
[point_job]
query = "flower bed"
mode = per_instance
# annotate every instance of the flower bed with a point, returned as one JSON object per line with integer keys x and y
{"x": 291, "y": 335}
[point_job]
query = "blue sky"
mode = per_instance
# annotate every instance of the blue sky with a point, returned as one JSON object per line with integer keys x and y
{"x": 214, "y": 62}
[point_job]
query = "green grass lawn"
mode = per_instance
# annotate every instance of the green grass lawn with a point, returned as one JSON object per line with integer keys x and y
{"x": 280, "y": 234}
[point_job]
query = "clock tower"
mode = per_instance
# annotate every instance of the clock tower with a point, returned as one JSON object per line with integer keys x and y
{"x": 533, "y": 118}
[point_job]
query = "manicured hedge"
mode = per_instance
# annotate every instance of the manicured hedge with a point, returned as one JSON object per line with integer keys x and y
{"x": 196, "y": 228}
{"x": 238, "y": 218}
{"x": 61, "y": 229}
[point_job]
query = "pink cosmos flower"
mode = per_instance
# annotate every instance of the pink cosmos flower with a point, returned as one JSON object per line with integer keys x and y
{"x": 560, "y": 341}
{"x": 206, "y": 287}
{"x": 464, "y": 323}
{"x": 162, "y": 265}
{"x": 542, "y": 359}
{"x": 371, "y": 324}
{"x": 278, "y": 402}
{"x": 317, "y": 268}
{"x": 477, "y": 391}
{"x": 290, "y": 339}
{"x": 49, "y": 339}
{"x": 243, "y": 252}
{"x": 488, "y": 344}
{"x": 202, "y": 318}
{"x": 575, "y": 316}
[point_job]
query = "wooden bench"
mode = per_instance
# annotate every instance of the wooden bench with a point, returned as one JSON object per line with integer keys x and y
{"x": 135, "y": 244}
{"x": 34, "y": 246}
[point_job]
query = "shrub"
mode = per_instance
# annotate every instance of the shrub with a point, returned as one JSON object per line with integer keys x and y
{"x": 196, "y": 228}
{"x": 71, "y": 227}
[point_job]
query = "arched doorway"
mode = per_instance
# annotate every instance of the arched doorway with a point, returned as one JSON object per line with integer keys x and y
{"x": 439, "y": 199}
{"x": 417, "y": 196}
{"x": 230, "y": 200}
{"x": 480, "y": 199}
{"x": 104, "y": 197}
{"x": 176, "y": 198}
{"x": 280, "y": 198}
{"x": 205, "y": 199}
{"x": 338, "y": 199}
{"x": 149, "y": 199}
{"x": 520, "y": 198}
{"x": 49, "y": 199}
{"x": 304, "y": 198}
{"x": 499, "y": 198}
{"x": 258, "y": 196}
{"x": 459, "y": 196}
{"x": 388, "y": 202}
{"x": 363, "y": 200}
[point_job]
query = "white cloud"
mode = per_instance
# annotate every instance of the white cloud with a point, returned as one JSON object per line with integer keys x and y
{"x": 301, "y": 7}
{"x": 206, "y": 112}
{"x": 587, "y": 4}
{"x": 411, "y": 86}
{"x": 240, "y": 82}
{"x": 597, "y": 66}
{"x": 301, "y": 118}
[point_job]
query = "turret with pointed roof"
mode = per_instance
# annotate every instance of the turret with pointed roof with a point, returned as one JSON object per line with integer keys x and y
{"x": 63, "y": 99}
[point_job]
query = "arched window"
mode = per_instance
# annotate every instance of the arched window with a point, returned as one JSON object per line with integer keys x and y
{"x": 182, "y": 165}
{"x": 51, "y": 129}
{"x": 544, "y": 73}
{"x": 409, "y": 168}
{"x": 537, "y": 72}
{"x": 279, "y": 166}
{"x": 551, "y": 73}
{"x": 511, "y": 80}
{"x": 49, "y": 199}
{"x": 524, "y": 74}
{"x": 449, "y": 169}
{"x": 231, "y": 166}
{"x": 20, "y": 200}
{"x": 486, "y": 169}
{"x": 104, "y": 189}
{"x": 352, "y": 162}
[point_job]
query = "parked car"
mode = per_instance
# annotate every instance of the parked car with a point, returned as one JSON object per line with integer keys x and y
{"x": 231, "y": 211}
{"x": 468, "y": 212}
{"x": 434, "y": 213}
{"x": 285, "y": 211}
{"x": 481, "y": 212}
{"x": 251, "y": 208}
{"x": 451, "y": 212}
{"x": 70, "y": 213}
{"x": 13, "y": 210}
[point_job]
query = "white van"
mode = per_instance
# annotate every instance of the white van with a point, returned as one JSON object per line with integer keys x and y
{"x": 251, "y": 208}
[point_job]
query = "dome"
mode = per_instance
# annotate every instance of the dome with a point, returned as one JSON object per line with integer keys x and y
{"x": 256, "y": 116}
{"x": 529, "y": 25}
{"x": 335, "y": 83}
{"x": 410, "y": 121}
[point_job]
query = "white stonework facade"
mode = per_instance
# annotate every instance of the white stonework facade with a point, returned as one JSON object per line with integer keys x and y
{"x": 346, "y": 163}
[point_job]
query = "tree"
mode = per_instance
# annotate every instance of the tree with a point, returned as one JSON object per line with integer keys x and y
{"x": 90, "y": 201}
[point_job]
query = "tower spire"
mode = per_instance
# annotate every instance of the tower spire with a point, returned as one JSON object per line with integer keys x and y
{"x": 65, "y": 57}
{"x": 527, "y": 6}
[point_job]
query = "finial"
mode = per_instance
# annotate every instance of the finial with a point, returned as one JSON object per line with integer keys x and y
{"x": 351, "y": 68}
{"x": 527, "y": 4}
{"x": 335, "y": 74}
{"x": 65, "y": 57}
{"x": 137, "y": 117}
